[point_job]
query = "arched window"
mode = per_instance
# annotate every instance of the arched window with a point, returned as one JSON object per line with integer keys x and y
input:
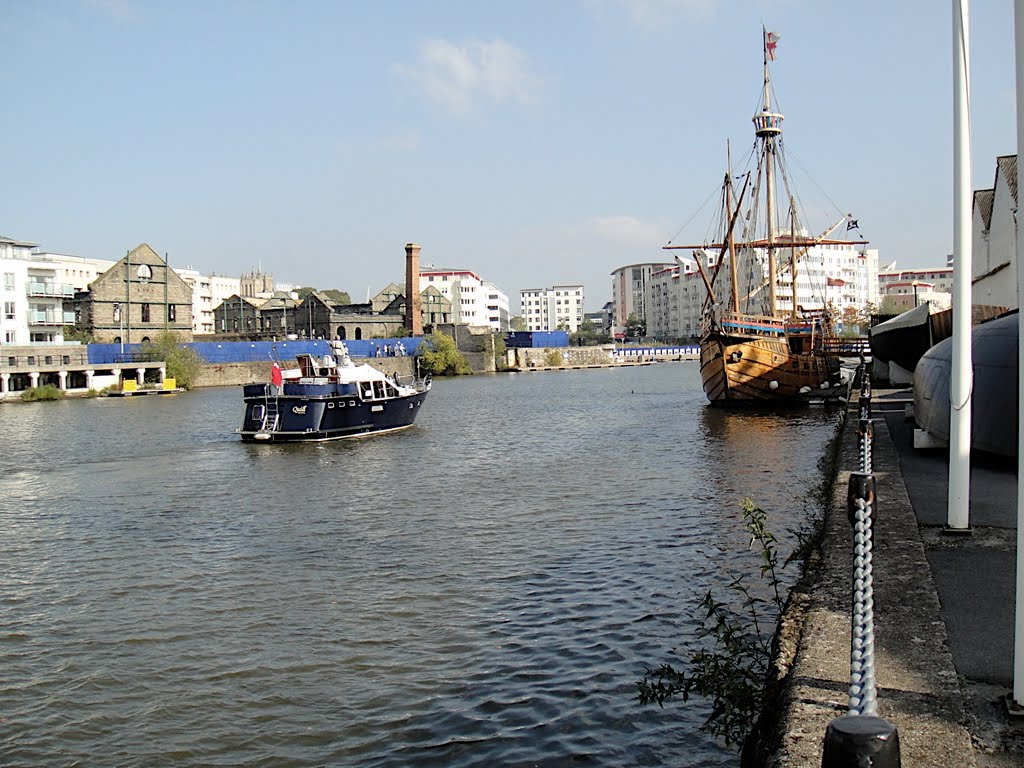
{"x": 341, "y": 333}
{"x": 359, "y": 333}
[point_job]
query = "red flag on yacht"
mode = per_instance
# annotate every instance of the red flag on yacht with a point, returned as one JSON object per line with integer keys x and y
{"x": 276, "y": 377}
{"x": 771, "y": 39}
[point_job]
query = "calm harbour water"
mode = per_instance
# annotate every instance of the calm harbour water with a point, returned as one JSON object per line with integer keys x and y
{"x": 484, "y": 589}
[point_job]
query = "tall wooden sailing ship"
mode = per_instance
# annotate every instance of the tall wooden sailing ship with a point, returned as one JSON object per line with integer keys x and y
{"x": 752, "y": 350}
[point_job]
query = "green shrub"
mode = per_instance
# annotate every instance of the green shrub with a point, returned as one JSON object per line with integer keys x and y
{"x": 500, "y": 349}
{"x": 183, "y": 363}
{"x": 553, "y": 358}
{"x": 45, "y": 392}
{"x": 439, "y": 356}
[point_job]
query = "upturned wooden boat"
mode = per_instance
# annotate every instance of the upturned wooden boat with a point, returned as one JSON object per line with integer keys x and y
{"x": 751, "y": 350}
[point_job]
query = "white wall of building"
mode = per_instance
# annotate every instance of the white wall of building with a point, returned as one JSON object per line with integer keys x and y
{"x": 32, "y": 296}
{"x": 995, "y": 261}
{"x": 14, "y": 318}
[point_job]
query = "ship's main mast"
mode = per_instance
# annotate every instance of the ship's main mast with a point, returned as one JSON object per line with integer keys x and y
{"x": 767, "y": 128}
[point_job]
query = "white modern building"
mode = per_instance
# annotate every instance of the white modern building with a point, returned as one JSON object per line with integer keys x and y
{"x": 559, "y": 307}
{"x": 674, "y": 299}
{"x": 208, "y": 292}
{"x": 629, "y": 291}
{"x": 77, "y": 271}
{"x": 33, "y": 296}
{"x": 475, "y": 301}
{"x": 939, "y": 279}
{"x": 902, "y": 295}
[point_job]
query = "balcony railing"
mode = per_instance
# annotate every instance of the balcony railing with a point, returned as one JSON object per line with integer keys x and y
{"x": 55, "y": 319}
{"x": 54, "y": 290}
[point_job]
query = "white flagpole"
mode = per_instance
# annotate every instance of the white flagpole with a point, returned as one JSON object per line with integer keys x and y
{"x": 961, "y": 373}
{"x": 1018, "y": 634}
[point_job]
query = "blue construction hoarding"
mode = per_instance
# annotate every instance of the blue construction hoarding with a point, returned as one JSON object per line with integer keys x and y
{"x": 536, "y": 339}
{"x": 255, "y": 351}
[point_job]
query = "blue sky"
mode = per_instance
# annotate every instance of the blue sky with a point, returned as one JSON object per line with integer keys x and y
{"x": 535, "y": 142}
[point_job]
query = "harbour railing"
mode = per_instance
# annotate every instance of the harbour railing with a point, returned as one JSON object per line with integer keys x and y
{"x": 861, "y": 737}
{"x": 853, "y": 346}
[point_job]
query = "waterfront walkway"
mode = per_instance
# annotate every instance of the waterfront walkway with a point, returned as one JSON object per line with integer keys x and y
{"x": 944, "y": 609}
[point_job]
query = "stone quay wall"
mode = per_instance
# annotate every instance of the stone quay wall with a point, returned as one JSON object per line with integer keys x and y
{"x": 235, "y": 374}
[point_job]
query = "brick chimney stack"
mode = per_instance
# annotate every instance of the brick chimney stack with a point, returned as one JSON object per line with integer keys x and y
{"x": 413, "y": 317}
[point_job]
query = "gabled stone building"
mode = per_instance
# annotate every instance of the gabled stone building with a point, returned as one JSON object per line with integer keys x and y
{"x": 136, "y": 299}
{"x": 238, "y": 315}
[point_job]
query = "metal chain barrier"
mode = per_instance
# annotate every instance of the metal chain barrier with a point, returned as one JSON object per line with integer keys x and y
{"x": 866, "y": 437}
{"x": 861, "y": 738}
{"x": 863, "y": 696}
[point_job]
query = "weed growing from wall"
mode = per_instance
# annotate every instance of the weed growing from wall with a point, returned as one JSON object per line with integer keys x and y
{"x": 736, "y": 634}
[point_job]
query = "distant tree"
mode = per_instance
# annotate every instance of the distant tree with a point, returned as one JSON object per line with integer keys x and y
{"x": 865, "y": 315}
{"x": 636, "y": 327}
{"x": 588, "y": 335}
{"x": 72, "y": 333}
{"x": 889, "y": 306}
{"x": 851, "y": 321}
{"x": 517, "y": 323}
{"x": 439, "y": 356}
{"x": 340, "y": 297}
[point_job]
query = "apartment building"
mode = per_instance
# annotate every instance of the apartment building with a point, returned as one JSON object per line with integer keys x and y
{"x": 474, "y": 301}
{"x": 559, "y": 307}
{"x": 629, "y": 291}
{"x": 33, "y": 296}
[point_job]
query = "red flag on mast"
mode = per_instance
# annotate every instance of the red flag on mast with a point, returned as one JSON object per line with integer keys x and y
{"x": 771, "y": 40}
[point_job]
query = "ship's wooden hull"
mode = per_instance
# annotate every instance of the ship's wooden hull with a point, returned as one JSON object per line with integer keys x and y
{"x": 740, "y": 370}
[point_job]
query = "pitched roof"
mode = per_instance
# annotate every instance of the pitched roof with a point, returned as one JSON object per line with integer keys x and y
{"x": 983, "y": 199}
{"x": 1006, "y": 166}
{"x": 279, "y": 300}
{"x": 11, "y": 241}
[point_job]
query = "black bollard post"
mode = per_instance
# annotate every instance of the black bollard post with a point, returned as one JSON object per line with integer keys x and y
{"x": 862, "y": 487}
{"x": 854, "y": 741}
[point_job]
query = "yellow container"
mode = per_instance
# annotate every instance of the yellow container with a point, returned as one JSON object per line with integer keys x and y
{"x": 170, "y": 384}
{"x": 129, "y": 385}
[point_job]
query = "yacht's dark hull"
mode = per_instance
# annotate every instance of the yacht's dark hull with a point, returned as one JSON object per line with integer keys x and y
{"x": 312, "y": 412}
